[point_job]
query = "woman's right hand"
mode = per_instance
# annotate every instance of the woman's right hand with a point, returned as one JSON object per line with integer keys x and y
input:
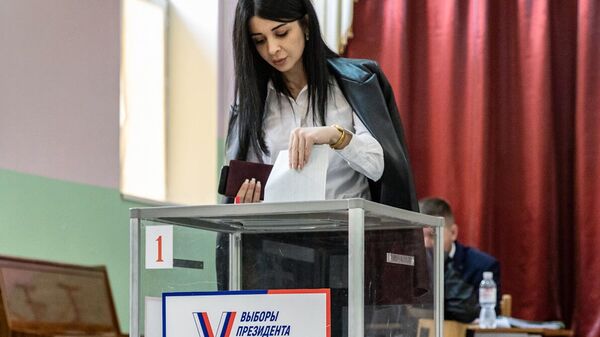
{"x": 303, "y": 139}
{"x": 249, "y": 191}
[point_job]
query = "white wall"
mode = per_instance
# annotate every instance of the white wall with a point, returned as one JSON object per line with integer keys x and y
{"x": 192, "y": 96}
{"x": 59, "y": 119}
{"x": 59, "y": 89}
{"x": 226, "y": 71}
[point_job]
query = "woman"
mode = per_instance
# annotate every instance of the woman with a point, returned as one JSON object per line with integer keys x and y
{"x": 292, "y": 93}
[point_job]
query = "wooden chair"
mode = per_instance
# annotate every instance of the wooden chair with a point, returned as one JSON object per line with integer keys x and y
{"x": 426, "y": 328}
{"x": 506, "y": 305}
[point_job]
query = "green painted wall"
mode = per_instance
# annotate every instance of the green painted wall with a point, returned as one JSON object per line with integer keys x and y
{"x": 68, "y": 222}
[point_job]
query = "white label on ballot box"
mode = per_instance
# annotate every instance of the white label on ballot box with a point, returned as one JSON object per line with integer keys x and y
{"x": 159, "y": 247}
{"x": 294, "y": 312}
{"x": 153, "y": 316}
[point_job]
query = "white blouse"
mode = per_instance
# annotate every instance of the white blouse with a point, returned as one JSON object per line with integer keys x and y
{"x": 349, "y": 167}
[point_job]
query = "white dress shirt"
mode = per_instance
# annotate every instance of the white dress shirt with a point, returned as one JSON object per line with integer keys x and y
{"x": 349, "y": 167}
{"x": 452, "y": 250}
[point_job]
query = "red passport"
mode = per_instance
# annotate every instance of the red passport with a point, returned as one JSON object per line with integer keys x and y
{"x": 234, "y": 175}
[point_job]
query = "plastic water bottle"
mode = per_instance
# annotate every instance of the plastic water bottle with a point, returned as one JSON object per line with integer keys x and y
{"x": 487, "y": 301}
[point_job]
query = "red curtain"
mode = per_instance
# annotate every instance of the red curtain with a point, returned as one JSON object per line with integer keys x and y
{"x": 501, "y": 105}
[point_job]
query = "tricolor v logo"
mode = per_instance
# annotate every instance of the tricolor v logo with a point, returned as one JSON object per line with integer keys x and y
{"x": 205, "y": 328}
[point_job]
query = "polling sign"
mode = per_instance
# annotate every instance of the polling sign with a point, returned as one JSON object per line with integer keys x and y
{"x": 265, "y": 313}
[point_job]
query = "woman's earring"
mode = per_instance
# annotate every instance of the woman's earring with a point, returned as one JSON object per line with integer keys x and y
{"x": 306, "y": 36}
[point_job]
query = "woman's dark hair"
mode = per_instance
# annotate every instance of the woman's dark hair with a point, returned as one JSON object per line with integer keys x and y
{"x": 253, "y": 73}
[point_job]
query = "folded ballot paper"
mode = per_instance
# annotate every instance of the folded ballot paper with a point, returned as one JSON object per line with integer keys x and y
{"x": 287, "y": 184}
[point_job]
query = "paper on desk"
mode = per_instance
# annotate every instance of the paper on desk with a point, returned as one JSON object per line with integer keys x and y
{"x": 502, "y": 322}
{"x": 521, "y": 323}
{"x": 286, "y": 184}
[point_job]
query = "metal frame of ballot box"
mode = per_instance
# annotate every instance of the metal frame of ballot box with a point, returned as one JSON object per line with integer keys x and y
{"x": 351, "y": 215}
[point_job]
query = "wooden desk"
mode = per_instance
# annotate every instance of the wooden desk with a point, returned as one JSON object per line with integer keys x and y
{"x": 456, "y": 329}
{"x": 475, "y": 331}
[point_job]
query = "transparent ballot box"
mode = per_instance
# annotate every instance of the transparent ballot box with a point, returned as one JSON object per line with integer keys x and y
{"x": 382, "y": 281}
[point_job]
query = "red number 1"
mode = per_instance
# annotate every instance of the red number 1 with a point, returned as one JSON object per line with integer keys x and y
{"x": 159, "y": 259}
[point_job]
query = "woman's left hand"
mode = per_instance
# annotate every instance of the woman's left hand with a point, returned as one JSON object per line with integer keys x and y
{"x": 303, "y": 139}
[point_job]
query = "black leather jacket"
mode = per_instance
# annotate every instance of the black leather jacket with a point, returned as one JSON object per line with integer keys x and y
{"x": 369, "y": 93}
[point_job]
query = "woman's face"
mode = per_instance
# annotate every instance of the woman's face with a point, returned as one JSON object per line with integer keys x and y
{"x": 281, "y": 44}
